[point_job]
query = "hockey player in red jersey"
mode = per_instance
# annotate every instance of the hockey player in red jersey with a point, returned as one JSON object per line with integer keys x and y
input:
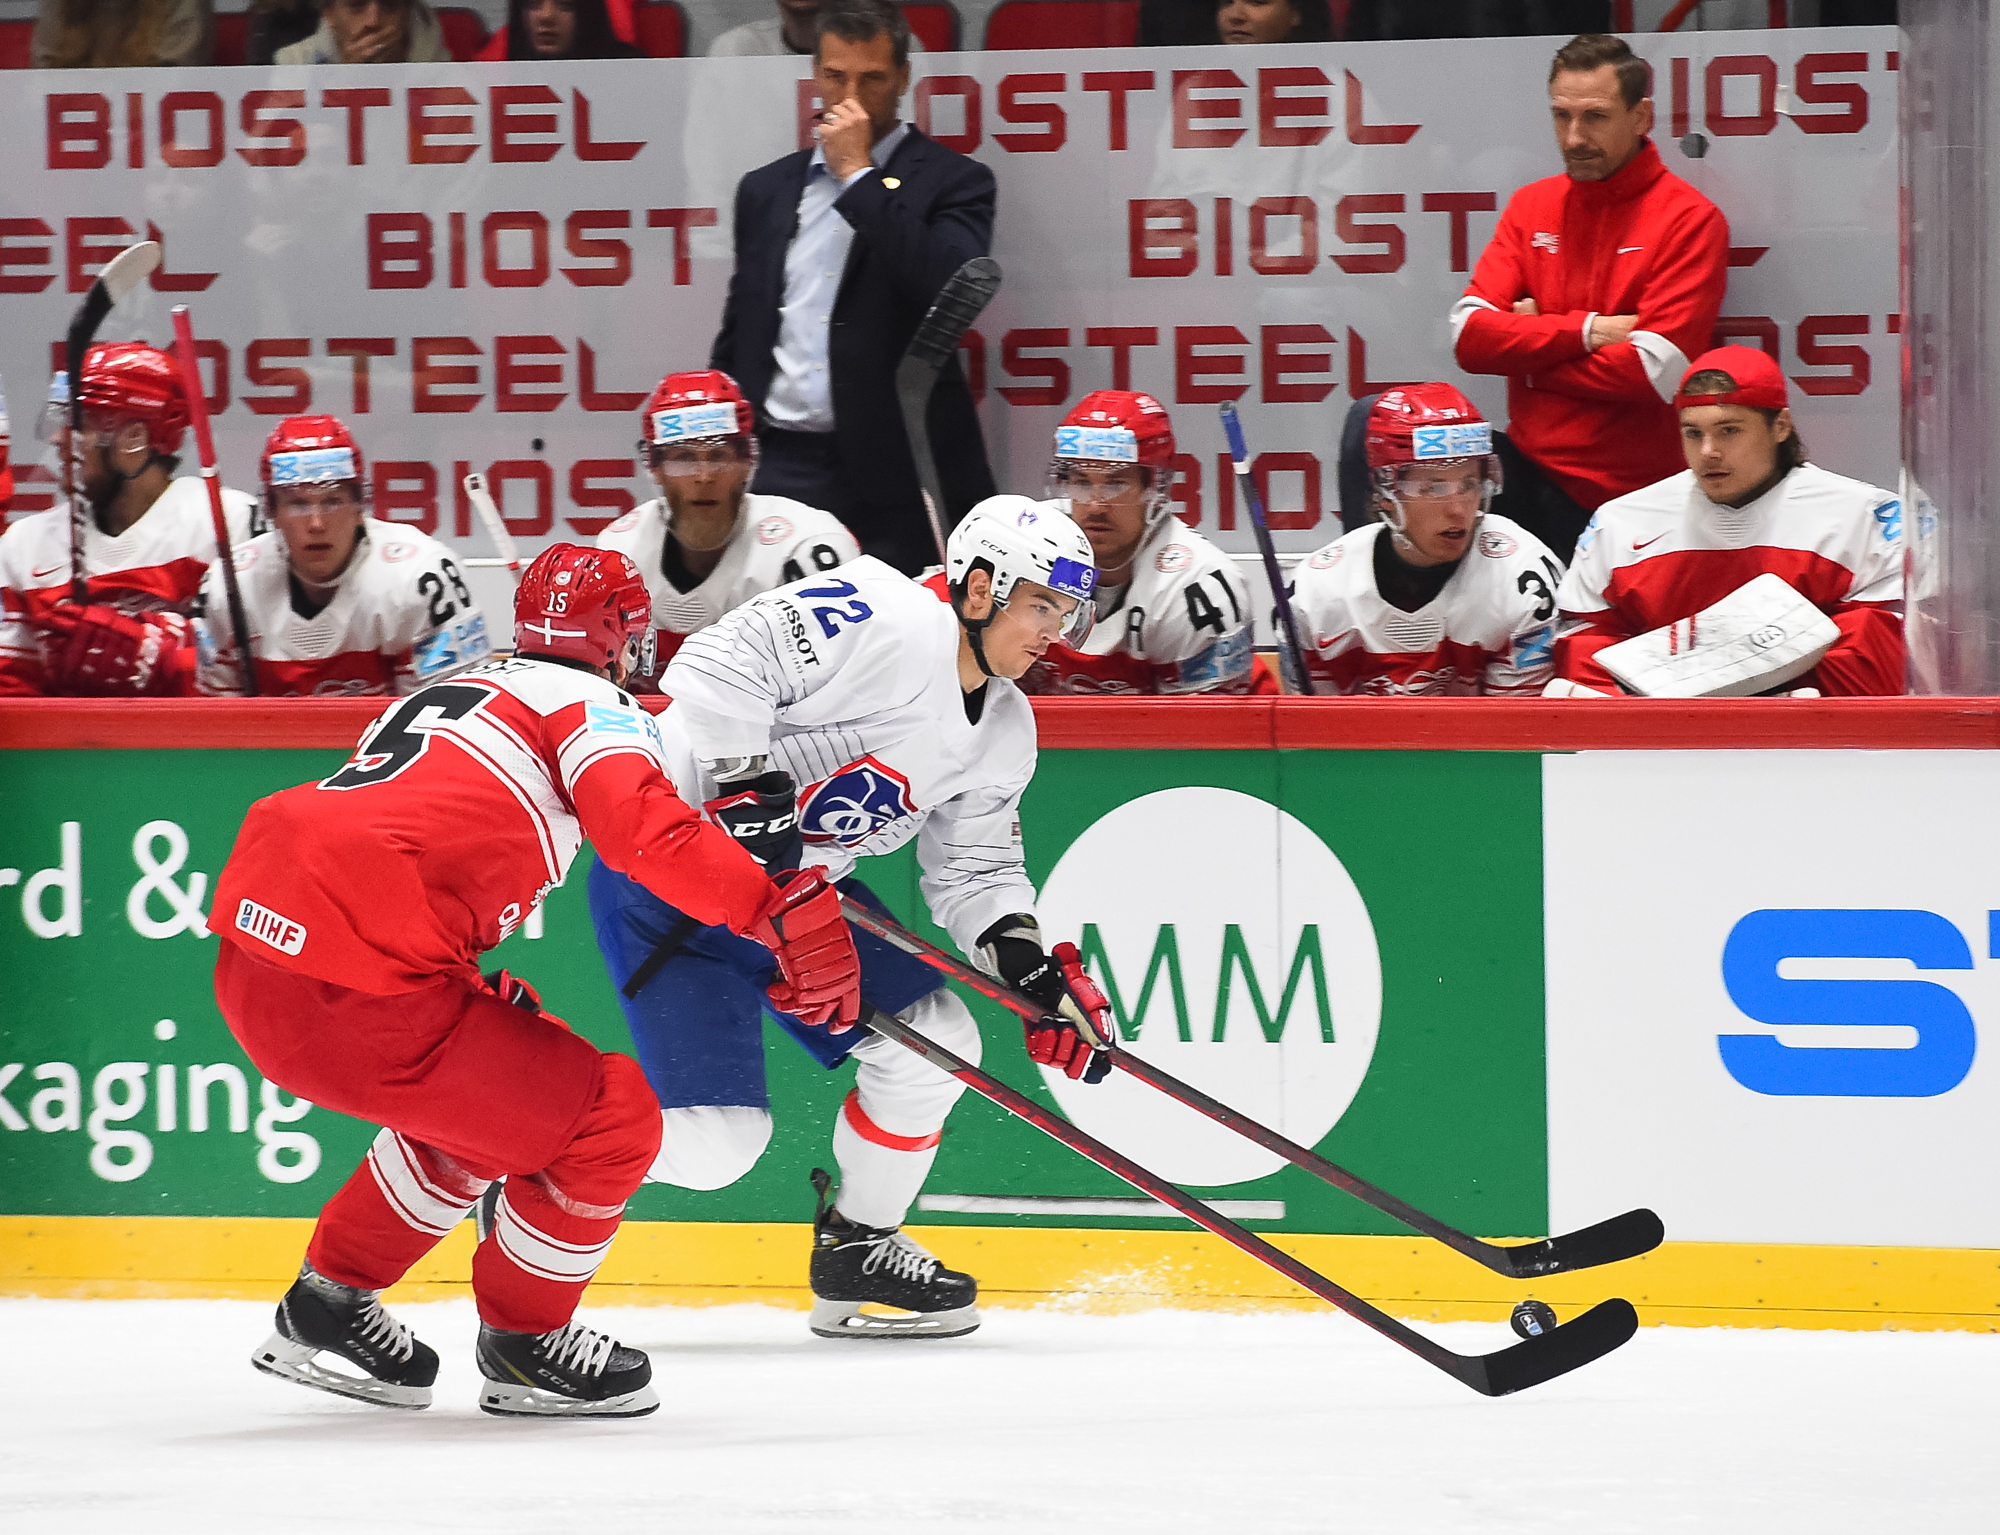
{"x": 335, "y": 601}
{"x": 148, "y": 541}
{"x": 706, "y": 544}
{"x": 353, "y": 913}
{"x": 1748, "y": 504}
{"x": 1441, "y": 596}
{"x": 1173, "y": 614}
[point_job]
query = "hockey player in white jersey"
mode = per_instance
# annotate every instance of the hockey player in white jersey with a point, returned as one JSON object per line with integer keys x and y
{"x": 1440, "y": 597}
{"x": 148, "y": 540}
{"x": 1173, "y": 614}
{"x": 335, "y": 602}
{"x": 828, "y": 720}
{"x": 706, "y": 544}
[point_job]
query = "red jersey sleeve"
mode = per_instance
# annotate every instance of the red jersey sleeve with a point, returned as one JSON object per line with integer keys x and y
{"x": 1491, "y": 337}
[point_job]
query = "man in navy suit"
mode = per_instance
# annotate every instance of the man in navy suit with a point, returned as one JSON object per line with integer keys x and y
{"x": 840, "y": 251}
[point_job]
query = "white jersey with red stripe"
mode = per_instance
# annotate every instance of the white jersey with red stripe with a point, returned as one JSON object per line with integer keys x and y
{"x": 1667, "y": 551}
{"x": 154, "y": 566}
{"x": 400, "y": 618}
{"x": 775, "y": 540}
{"x": 849, "y": 682}
{"x": 1182, "y": 624}
{"x": 462, "y": 806}
{"x": 1491, "y": 630}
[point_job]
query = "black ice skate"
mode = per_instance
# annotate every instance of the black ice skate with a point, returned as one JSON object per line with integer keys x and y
{"x": 318, "y": 1317}
{"x": 569, "y": 1373}
{"x": 858, "y": 1266}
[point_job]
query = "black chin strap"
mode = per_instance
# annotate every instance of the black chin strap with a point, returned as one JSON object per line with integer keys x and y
{"x": 119, "y": 480}
{"x": 975, "y": 628}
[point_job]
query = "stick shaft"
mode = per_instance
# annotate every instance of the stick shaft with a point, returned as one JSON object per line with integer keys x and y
{"x": 204, "y": 442}
{"x": 495, "y": 525}
{"x": 1288, "y": 627}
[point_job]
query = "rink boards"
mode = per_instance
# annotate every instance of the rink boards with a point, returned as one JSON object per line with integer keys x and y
{"x": 1525, "y": 964}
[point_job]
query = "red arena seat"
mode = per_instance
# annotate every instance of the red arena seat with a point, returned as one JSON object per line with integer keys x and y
{"x": 16, "y": 43}
{"x": 936, "y": 26}
{"x": 1063, "y": 24}
{"x": 464, "y": 31}
{"x": 659, "y": 28}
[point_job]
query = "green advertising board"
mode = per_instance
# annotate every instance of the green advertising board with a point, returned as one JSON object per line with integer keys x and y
{"x": 1348, "y": 944}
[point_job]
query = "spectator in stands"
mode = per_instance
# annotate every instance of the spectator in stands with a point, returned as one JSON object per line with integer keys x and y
{"x": 1441, "y": 596}
{"x": 276, "y": 24}
{"x": 1748, "y": 503}
{"x": 790, "y": 31}
{"x": 122, "y": 34}
{"x": 1597, "y": 287}
{"x": 558, "y": 29}
{"x": 371, "y": 32}
{"x": 1273, "y": 21}
{"x": 335, "y": 603}
{"x": 147, "y": 537}
{"x": 840, "y": 252}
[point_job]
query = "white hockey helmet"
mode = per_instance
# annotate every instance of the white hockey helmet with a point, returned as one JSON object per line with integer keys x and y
{"x": 1016, "y": 539}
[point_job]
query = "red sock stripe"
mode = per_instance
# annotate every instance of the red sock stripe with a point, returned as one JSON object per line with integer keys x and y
{"x": 868, "y": 1130}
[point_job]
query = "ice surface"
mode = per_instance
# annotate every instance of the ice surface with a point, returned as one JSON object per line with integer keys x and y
{"x": 145, "y": 1418}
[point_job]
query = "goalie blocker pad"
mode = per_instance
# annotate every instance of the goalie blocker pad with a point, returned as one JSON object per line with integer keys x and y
{"x": 1759, "y": 637}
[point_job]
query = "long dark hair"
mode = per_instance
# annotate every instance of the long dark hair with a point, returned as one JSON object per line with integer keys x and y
{"x": 594, "y": 38}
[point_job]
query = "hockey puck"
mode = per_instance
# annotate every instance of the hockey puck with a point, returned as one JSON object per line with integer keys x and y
{"x": 1532, "y": 1318}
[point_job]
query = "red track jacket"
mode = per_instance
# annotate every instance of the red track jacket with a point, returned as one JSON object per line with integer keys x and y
{"x": 1643, "y": 242}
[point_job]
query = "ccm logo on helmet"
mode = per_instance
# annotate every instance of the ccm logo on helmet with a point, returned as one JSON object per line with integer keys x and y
{"x": 1463, "y": 441}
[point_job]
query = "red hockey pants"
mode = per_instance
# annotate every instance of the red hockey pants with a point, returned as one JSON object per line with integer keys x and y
{"x": 467, "y": 1088}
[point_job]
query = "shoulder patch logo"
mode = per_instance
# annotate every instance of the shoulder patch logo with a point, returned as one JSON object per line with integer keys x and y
{"x": 1327, "y": 558}
{"x": 1496, "y": 545}
{"x": 394, "y": 553}
{"x": 774, "y": 530}
{"x": 1544, "y": 240}
{"x": 1174, "y": 557}
{"x": 855, "y": 803}
{"x": 624, "y": 524}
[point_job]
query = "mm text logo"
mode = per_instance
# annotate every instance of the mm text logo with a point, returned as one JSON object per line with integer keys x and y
{"x": 1237, "y": 955}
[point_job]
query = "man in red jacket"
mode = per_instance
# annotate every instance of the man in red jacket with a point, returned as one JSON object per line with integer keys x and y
{"x": 1597, "y": 288}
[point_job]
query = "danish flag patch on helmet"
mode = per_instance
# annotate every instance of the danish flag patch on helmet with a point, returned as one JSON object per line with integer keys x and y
{"x": 685, "y": 423}
{"x": 1108, "y": 444}
{"x": 1468, "y": 439}
{"x": 313, "y": 466}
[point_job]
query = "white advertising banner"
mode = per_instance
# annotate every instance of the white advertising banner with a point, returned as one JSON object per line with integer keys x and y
{"x": 1766, "y": 1006}
{"x": 487, "y": 266}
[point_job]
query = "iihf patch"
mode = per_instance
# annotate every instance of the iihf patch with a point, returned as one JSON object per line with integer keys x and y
{"x": 1327, "y": 558}
{"x": 1174, "y": 557}
{"x": 855, "y": 803}
{"x": 773, "y": 530}
{"x": 395, "y": 553}
{"x": 1496, "y": 545}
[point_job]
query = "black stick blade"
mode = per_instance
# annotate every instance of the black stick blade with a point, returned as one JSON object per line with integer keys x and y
{"x": 958, "y": 304}
{"x": 1613, "y": 1241}
{"x": 1576, "y": 1343}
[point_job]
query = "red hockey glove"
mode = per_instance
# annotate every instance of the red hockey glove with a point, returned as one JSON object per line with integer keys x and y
{"x": 1075, "y": 1034}
{"x": 819, "y": 972}
{"x": 763, "y": 816}
{"x": 511, "y": 988}
{"x": 99, "y": 652}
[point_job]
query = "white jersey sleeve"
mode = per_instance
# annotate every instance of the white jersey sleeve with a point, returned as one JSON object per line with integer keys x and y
{"x": 1582, "y": 592}
{"x": 970, "y": 851}
{"x": 1878, "y": 573}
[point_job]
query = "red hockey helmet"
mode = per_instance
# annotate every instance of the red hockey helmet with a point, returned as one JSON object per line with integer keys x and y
{"x": 702, "y": 406}
{"x": 1430, "y": 423}
{"x": 130, "y": 380}
{"x": 1112, "y": 427}
{"x": 587, "y": 605}
{"x": 313, "y": 450}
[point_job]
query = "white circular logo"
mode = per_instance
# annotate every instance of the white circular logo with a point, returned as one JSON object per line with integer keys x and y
{"x": 772, "y": 529}
{"x": 1327, "y": 558}
{"x": 1174, "y": 557}
{"x": 1264, "y": 991}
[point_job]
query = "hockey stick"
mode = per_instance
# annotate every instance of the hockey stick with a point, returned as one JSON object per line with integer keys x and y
{"x": 1611, "y": 1241}
{"x": 1288, "y": 627}
{"x": 204, "y": 442}
{"x": 121, "y": 274}
{"x": 1575, "y": 1343}
{"x": 496, "y": 525}
{"x": 958, "y": 304}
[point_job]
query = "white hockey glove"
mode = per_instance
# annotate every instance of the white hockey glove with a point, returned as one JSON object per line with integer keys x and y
{"x": 1759, "y": 637}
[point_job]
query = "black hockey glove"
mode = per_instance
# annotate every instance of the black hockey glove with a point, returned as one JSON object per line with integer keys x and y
{"x": 1075, "y": 1033}
{"x": 762, "y": 814}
